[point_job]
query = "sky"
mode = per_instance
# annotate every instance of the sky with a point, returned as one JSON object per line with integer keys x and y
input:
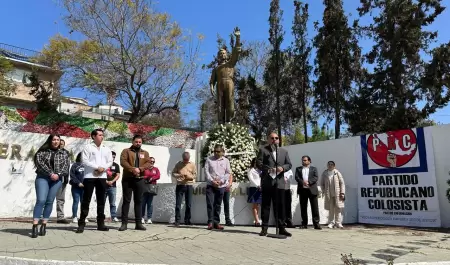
{"x": 31, "y": 23}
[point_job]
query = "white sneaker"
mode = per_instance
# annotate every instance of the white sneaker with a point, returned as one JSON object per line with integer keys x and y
{"x": 86, "y": 221}
{"x": 339, "y": 226}
{"x": 149, "y": 221}
{"x": 115, "y": 219}
{"x": 75, "y": 220}
{"x": 331, "y": 226}
{"x": 143, "y": 221}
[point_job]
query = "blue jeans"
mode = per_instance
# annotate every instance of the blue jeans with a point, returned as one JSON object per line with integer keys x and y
{"x": 111, "y": 194}
{"x": 77, "y": 195}
{"x": 147, "y": 203}
{"x": 214, "y": 197}
{"x": 186, "y": 191}
{"x": 46, "y": 190}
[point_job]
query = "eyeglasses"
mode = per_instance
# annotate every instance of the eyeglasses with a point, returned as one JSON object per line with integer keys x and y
{"x": 274, "y": 138}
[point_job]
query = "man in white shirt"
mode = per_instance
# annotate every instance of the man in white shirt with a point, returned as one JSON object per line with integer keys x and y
{"x": 307, "y": 178}
{"x": 96, "y": 158}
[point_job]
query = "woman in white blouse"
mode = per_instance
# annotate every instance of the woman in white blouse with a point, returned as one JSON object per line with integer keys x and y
{"x": 254, "y": 191}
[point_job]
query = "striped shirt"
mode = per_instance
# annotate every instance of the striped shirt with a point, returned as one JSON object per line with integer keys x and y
{"x": 217, "y": 169}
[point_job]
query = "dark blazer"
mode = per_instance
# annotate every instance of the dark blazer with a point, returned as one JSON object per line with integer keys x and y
{"x": 265, "y": 161}
{"x": 313, "y": 178}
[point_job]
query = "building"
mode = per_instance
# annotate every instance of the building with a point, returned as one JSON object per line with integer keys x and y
{"x": 24, "y": 64}
{"x": 72, "y": 105}
{"x": 106, "y": 113}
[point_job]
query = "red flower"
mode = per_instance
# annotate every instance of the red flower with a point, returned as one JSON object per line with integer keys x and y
{"x": 28, "y": 115}
{"x": 136, "y": 128}
{"x": 62, "y": 128}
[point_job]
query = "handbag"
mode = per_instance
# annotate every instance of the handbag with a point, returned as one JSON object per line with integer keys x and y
{"x": 150, "y": 188}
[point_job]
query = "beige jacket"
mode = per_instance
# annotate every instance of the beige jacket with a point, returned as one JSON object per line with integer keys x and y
{"x": 339, "y": 188}
{"x": 184, "y": 173}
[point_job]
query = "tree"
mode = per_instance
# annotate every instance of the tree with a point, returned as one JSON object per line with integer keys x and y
{"x": 43, "y": 92}
{"x": 320, "y": 133}
{"x": 168, "y": 118}
{"x": 7, "y": 87}
{"x": 337, "y": 63}
{"x": 276, "y": 60}
{"x": 131, "y": 52}
{"x": 301, "y": 69}
{"x": 401, "y": 78}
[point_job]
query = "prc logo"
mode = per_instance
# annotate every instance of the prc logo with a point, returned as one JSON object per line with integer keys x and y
{"x": 392, "y": 149}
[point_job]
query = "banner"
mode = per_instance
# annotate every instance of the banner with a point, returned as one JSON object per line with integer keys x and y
{"x": 396, "y": 179}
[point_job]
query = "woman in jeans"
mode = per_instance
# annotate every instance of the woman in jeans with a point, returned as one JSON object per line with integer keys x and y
{"x": 76, "y": 180}
{"x": 151, "y": 176}
{"x": 52, "y": 165}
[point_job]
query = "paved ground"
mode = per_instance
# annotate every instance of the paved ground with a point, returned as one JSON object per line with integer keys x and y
{"x": 163, "y": 244}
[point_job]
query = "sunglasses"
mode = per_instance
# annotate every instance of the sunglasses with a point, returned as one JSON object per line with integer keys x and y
{"x": 274, "y": 138}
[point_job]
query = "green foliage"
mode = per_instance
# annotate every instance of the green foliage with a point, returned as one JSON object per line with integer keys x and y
{"x": 320, "y": 133}
{"x": 12, "y": 114}
{"x": 337, "y": 63}
{"x": 161, "y": 132}
{"x": 299, "y": 51}
{"x": 401, "y": 78}
{"x": 235, "y": 138}
{"x": 117, "y": 127}
{"x": 7, "y": 87}
{"x": 42, "y": 91}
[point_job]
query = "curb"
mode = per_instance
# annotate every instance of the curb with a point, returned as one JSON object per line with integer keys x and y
{"x": 23, "y": 261}
{"x": 422, "y": 263}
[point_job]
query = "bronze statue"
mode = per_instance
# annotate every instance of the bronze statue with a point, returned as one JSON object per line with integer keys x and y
{"x": 222, "y": 80}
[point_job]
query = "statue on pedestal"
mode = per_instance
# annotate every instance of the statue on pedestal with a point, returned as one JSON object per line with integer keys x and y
{"x": 221, "y": 82}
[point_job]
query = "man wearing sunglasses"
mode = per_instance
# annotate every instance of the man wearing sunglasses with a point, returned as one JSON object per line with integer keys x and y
{"x": 273, "y": 162}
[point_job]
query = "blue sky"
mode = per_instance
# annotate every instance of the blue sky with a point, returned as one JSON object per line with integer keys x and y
{"x": 31, "y": 23}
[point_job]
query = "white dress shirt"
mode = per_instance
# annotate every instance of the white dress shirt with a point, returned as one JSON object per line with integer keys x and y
{"x": 305, "y": 175}
{"x": 94, "y": 157}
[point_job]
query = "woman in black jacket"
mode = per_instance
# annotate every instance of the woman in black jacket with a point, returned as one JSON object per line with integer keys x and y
{"x": 76, "y": 180}
{"x": 52, "y": 166}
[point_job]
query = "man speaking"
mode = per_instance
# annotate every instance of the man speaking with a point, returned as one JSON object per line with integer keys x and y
{"x": 273, "y": 161}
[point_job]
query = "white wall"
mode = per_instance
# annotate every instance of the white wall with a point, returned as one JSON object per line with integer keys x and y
{"x": 17, "y": 192}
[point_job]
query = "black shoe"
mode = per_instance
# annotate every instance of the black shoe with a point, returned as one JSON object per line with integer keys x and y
{"x": 34, "y": 231}
{"x": 43, "y": 230}
{"x": 229, "y": 223}
{"x": 303, "y": 227}
{"x": 63, "y": 221}
{"x": 283, "y": 231}
{"x": 263, "y": 231}
{"x": 101, "y": 225}
{"x": 318, "y": 227}
{"x": 177, "y": 224}
{"x": 139, "y": 226}
{"x": 187, "y": 223}
{"x": 290, "y": 225}
{"x": 123, "y": 227}
{"x": 80, "y": 229}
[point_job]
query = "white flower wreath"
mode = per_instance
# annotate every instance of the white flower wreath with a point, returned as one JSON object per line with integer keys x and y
{"x": 239, "y": 148}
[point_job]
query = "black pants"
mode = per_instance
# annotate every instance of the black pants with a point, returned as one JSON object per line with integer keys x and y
{"x": 275, "y": 196}
{"x": 287, "y": 204}
{"x": 88, "y": 190}
{"x": 135, "y": 187}
{"x": 226, "y": 205}
{"x": 305, "y": 195}
{"x": 214, "y": 197}
{"x": 186, "y": 191}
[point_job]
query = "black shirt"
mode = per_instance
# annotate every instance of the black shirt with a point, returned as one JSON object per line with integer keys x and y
{"x": 115, "y": 169}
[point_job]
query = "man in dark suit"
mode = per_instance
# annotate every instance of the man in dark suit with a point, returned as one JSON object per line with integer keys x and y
{"x": 273, "y": 162}
{"x": 307, "y": 178}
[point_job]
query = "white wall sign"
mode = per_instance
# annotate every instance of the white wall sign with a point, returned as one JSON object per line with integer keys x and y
{"x": 396, "y": 179}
